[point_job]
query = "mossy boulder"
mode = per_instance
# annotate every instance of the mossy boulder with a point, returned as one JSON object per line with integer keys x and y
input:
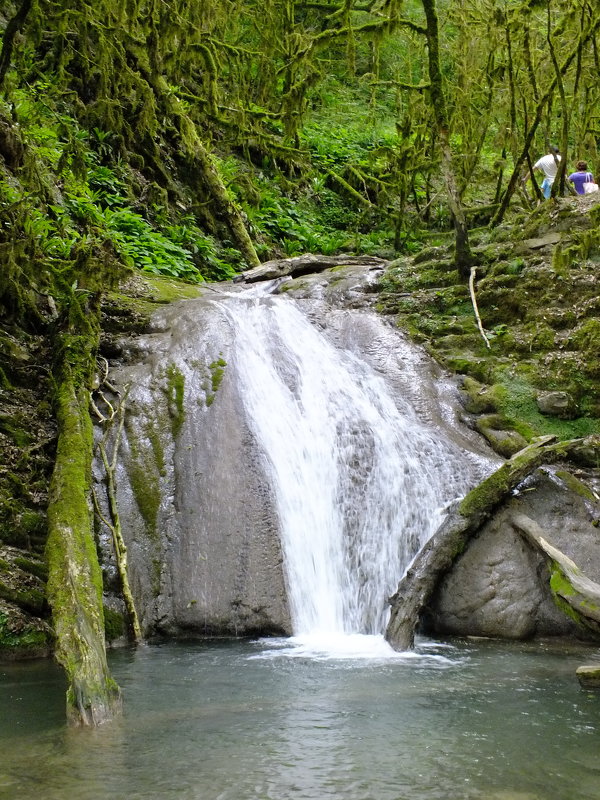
{"x": 500, "y": 434}
{"x": 588, "y": 676}
{"x": 479, "y": 398}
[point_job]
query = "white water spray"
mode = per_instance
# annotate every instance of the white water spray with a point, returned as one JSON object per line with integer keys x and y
{"x": 359, "y": 481}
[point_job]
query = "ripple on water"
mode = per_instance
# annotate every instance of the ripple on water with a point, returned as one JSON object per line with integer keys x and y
{"x": 266, "y": 721}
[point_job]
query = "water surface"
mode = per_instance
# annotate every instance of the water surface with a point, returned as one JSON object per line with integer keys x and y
{"x": 273, "y": 720}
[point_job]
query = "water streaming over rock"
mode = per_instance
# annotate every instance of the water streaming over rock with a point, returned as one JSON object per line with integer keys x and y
{"x": 360, "y": 482}
{"x": 283, "y": 458}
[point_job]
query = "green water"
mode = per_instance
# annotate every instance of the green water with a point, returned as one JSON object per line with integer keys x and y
{"x": 250, "y": 721}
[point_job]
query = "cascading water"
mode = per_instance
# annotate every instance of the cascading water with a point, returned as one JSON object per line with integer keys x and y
{"x": 360, "y": 482}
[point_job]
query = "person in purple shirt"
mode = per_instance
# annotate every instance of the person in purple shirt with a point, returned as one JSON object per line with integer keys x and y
{"x": 580, "y": 177}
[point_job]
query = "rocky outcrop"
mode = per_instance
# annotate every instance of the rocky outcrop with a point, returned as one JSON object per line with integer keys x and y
{"x": 557, "y": 404}
{"x": 194, "y": 494}
{"x": 500, "y": 585}
{"x": 309, "y": 263}
{"x": 195, "y": 508}
{"x": 479, "y": 576}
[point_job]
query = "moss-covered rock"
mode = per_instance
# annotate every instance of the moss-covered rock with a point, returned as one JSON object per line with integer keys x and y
{"x": 537, "y": 296}
{"x": 22, "y": 635}
{"x": 478, "y": 398}
{"x": 588, "y": 676}
{"x": 500, "y": 434}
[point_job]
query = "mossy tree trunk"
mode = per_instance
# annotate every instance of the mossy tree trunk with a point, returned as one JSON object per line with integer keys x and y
{"x": 74, "y": 576}
{"x": 463, "y": 256}
{"x": 225, "y": 206}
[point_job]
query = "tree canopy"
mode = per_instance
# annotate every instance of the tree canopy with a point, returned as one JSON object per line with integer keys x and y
{"x": 208, "y": 123}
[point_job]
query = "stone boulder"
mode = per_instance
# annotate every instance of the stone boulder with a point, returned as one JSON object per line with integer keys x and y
{"x": 500, "y": 585}
{"x": 557, "y": 404}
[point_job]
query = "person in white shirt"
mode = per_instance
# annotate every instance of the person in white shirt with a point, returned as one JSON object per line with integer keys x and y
{"x": 548, "y": 165}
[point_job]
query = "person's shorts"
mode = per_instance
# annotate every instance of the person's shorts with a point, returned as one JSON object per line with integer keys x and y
{"x": 547, "y": 188}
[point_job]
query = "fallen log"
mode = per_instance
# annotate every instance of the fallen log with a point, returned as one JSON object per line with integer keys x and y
{"x": 463, "y": 521}
{"x": 303, "y": 265}
{"x": 576, "y": 594}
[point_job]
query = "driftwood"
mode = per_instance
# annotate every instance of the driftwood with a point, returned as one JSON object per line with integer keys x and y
{"x": 113, "y": 521}
{"x": 474, "y": 303}
{"x": 462, "y": 523}
{"x": 568, "y": 583}
{"x": 303, "y": 265}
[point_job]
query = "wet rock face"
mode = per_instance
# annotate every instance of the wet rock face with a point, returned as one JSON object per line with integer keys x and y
{"x": 196, "y": 504}
{"x": 196, "y": 512}
{"x": 500, "y": 586}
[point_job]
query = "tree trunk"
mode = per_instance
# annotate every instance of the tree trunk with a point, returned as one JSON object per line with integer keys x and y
{"x": 74, "y": 577}
{"x": 10, "y": 33}
{"x": 464, "y": 520}
{"x": 463, "y": 256}
{"x": 226, "y": 208}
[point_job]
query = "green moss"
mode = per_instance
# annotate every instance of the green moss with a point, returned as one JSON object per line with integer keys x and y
{"x": 501, "y": 434}
{"x": 575, "y": 485}
{"x": 562, "y": 588}
{"x": 4, "y": 381}
{"x": 114, "y": 624}
{"x": 465, "y": 364}
{"x": 37, "y": 568}
{"x": 27, "y": 598}
{"x": 517, "y": 402}
{"x": 479, "y": 398}
{"x": 169, "y": 290}
{"x": 27, "y": 637}
{"x": 145, "y": 467}
{"x": 587, "y": 337}
{"x": 12, "y": 429}
{"x": 494, "y": 486}
{"x": 146, "y": 490}
{"x": 210, "y": 383}
{"x": 32, "y": 522}
{"x": 217, "y": 370}
{"x": 175, "y": 391}
{"x": 157, "y": 448}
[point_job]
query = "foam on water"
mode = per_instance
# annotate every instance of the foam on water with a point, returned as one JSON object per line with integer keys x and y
{"x": 349, "y": 646}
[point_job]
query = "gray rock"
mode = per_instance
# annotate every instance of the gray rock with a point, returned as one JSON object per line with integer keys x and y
{"x": 196, "y": 511}
{"x": 547, "y": 240}
{"x": 304, "y": 265}
{"x": 588, "y": 676}
{"x": 557, "y": 404}
{"x": 197, "y": 508}
{"x": 500, "y": 586}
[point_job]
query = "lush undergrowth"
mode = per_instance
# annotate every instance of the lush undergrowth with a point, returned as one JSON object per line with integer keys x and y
{"x": 73, "y": 192}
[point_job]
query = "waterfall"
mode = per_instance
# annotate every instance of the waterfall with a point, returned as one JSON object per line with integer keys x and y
{"x": 360, "y": 481}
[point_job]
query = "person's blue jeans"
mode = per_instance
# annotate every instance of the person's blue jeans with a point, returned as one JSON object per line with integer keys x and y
{"x": 546, "y": 188}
